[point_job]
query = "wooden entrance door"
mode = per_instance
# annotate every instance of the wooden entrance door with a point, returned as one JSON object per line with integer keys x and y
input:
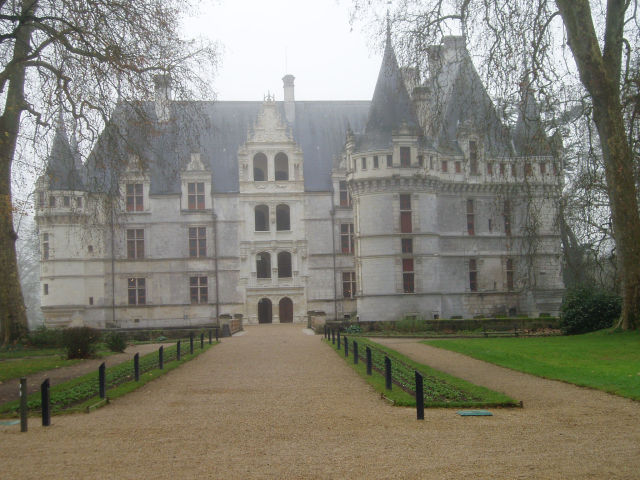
{"x": 286, "y": 310}
{"x": 264, "y": 311}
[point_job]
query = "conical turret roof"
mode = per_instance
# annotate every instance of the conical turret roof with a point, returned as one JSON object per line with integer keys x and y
{"x": 529, "y": 136}
{"x": 61, "y": 169}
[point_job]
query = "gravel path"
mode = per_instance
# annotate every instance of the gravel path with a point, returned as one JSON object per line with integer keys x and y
{"x": 10, "y": 390}
{"x": 275, "y": 403}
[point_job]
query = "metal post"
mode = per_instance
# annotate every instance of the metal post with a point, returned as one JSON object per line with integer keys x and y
{"x": 419, "y": 396}
{"x": 178, "y": 350}
{"x": 102, "y": 380}
{"x": 369, "y": 362}
{"x": 209, "y": 336}
{"x": 46, "y": 403}
{"x": 201, "y": 341}
{"x": 387, "y": 372}
{"x": 191, "y": 343}
{"x": 333, "y": 336}
{"x": 161, "y": 357}
{"x": 216, "y": 333}
{"x": 338, "y": 339}
{"x": 355, "y": 352}
{"x": 325, "y": 332}
{"x": 24, "y": 408}
{"x": 136, "y": 367}
{"x": 346, "y": 346}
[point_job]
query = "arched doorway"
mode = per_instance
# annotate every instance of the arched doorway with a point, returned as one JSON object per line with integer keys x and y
{"x": 264, "y": 311}
{"x": 285, "y": 308}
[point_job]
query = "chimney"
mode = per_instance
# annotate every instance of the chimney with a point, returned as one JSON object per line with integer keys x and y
{"x": 162, "y": 84}
{"x": 289, "y": 98}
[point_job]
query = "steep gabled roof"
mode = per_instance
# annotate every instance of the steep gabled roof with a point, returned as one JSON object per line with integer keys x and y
{"x": 61, "y": 171}
{"x": 529, "y": 136}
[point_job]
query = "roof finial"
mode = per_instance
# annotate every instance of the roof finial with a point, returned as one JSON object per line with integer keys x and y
{"x": 388, "y": 27}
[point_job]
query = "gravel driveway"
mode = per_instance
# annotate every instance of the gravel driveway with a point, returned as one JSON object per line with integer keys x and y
{"x": 275, "y": 403}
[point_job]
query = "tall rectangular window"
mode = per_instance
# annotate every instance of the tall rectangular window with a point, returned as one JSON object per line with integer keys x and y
{"x": 346, "y": 237}
{"x": 137, "y": 291}
{"x": 473, "y": 157}
{"x": 52, "y": 201}
{"x": 458, "y": 166}
{"x": 79, "y": 202}
{"x": 45, "y": 289}
{"x": 444, "y": 166}
{"x": 507, "y": 217}
{"x": 45, "y": 246}
{"x": 345, "y": 196}
{"x": 528, "y": 171}
{"x": 405, "y": 213}
{"x": 134, "y": 197}
{"x": 543, "y": 168}
{"x": 198, "y": 290}
{"x": 407, "y": 275}
{"x": 405, "y": 157}
{"x": 407, "y": 245}
{"x": 197, "y": 242}
{"x": 510, "y": 272}
{"x": 421, "y": 160}
{"x": 389, "y": 160}
{"x": 514, "y": 171}
{"x": 489, "y": 168}
{"x": 66, "y": 201}
{"x": 364, "y": 163}
{"x": 376, "y": 164}
{"x": 195, "y": 196}
{"x": 135, "y": 243}
{"x": 471, "y": 224}
{"x": 41, "y": 199}
{"x": 473, "y": 275}
{"x": 348, "y": 284}
{"x": 502, "y": 169}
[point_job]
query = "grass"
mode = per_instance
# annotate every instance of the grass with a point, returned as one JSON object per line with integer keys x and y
{"x": 605, "y": 360}
{"x": 441, "y": 389}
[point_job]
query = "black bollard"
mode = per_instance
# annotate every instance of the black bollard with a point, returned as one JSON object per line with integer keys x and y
{"x": 216, "y": 333}
{"x": 191, "y": 343}
{"x": 209, "y": 336}
{"x": 102, "y": 380}
{"x": 325, "y": 333}
{"x": 419, "y": 396}
{"x": 387, "y": 372}
{"x": 333, "y": 337}
{"x": 355, "y": 352}
{"x": 369, "y": 362}
{"x": 346, "y": 346}
{"x": 45, "y": 399}
{"x": 136, "y": 367}
{"x": 24, "y": 408}
{"x": 201, "y": 341}
{"x": 161, "y": 357}
{"x": 178, "y": 350}
{"x": 338, "y": 339}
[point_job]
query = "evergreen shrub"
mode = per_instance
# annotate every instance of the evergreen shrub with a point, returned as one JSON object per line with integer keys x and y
{"x": 115, "y": 341}
{"x": 586, "y": 309}
{"x": 43, "y": 337}
{"x": 80, "y": 342}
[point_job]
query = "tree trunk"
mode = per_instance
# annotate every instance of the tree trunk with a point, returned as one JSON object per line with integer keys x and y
{"x": 13, "y": 316}
{"x": 600, "y": 74}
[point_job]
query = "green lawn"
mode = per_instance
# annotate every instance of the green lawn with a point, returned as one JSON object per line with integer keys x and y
{"x": 604, "y": 360}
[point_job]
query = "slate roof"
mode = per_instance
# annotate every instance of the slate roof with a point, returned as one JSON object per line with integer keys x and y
{"x": 61, "y": 171}
{"x": 529, "y": 136}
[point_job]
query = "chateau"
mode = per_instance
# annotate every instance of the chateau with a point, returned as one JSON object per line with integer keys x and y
{"x": 420, "y": 202}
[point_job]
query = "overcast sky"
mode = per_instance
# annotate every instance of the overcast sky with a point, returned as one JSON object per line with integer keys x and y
{"x": 261, "y": 41}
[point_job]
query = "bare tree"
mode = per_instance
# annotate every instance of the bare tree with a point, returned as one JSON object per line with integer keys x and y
{"x": 79, "y": 60}
{"x": 573, "y": 52}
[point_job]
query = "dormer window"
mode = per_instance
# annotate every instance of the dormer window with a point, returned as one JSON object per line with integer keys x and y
{"x": 40, "y": 199}
{"x": 405, "y": 157}
{"x": 281, "y": 167}
{"x": 195, "y": 196}
{"x": 134, "y": 197}
{"x": 260, "y": 167}
{"x": 52, "y": 201}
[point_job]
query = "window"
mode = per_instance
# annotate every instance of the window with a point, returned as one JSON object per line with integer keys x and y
{"x": 458, "y": 166}
{"x": 407, "y": 245}
{"x": 375, "y": 162}
{"x": 405, "y": 157}
{"x": 197, "y": 242}
{"x": 45, "y": 246}
{"x": 45, "y": 289}
{"x": 507, "y": 217}
{"x": 135, "y": 243}
{"x": 346, "y": 237}
{"x": 260, "y": 167}
{"x": 502, "y": 169}
{"x": 421, "y": 160}
{"x": 489, "y": 168}
{"x": 430, "y": 162}
{"x": 514, "y": 172}
{"x": 405, "y": 213}
{"x": 509, "y": 274}
{"x": 543, "y": 168}
{"x": 195, "y": 196}
{"x": 364, "y": 163}
{"x": 444, "y": 166}
{"x": 348, "y": 284}
{"x": 345, "y": 196}
{"x": 473, "y": 275}
{"x": 66, "y": 201}
{"x": 284, "y": 265}
{"x": 52, "y": 201}
{"x": 79, "y": 202}
{"x": 41, "y": 199}
{"x": 282, "y": 167}
{"x": 198, "y": 290}
{"x": 555, "y": 168}
{"x": 134, "y": 197}
{"x": 389, "y": 161}
{"x": 262, "y": 218}
{"x": 136, "y": 290}
{"x": 473, "y": 157}
{"x": 90, "y": 300}
{"x": 283, "y": 221}
{"x": 407, "y": 275}
{"x": 471, "y": 227}
{"x": 90, "y": 248}
{"x": 490, "y": 225}
{"x": 263, "y": 265}
{"x": 528, "y": 171}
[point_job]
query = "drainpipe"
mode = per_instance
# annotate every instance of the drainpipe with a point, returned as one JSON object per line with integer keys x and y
{"x": 332, "y": 212}
{"x": 214, "y": 217}
{"x": 113, "y": 272}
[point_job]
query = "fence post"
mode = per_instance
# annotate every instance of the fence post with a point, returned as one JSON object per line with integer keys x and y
{"x": 419, "y": 396}
{"x": 387, "y": 372}
{"x": 102, "y": 380}
{"x": 355, "y": 352}
{"x": 45, "y": 400}
{"x": 191, "y": 343}
{"x": 346, "y": 346}
{"x": 325, "y": 332}
{"x": 24, "y": 409}
{"x": 338, "y": 339}
{"x": 136, "y": 367}
{"x": 369, "y": 362}
{"x": 178, "y": 350}
{"x": 333, "y": 336}
{"x": 217, "y": 330}
{"x": 210, "y": 337}
{"x": 201, "y": 341}
{"x": 161, "y": 357}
